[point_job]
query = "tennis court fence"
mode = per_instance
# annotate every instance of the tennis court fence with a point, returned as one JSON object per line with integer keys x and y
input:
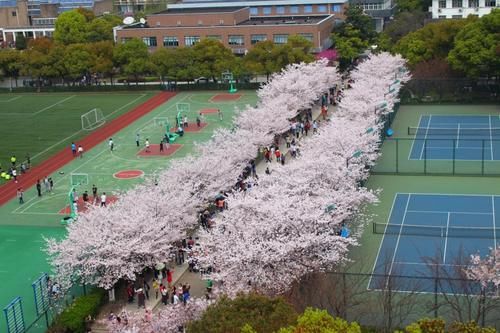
{"x": 439, "y": 156}
{"x": 388, "y": 302}
{"x": 434, "y": 231}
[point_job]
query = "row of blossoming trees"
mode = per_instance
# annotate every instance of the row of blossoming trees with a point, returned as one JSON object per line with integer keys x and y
{"x": 270, "y": 236}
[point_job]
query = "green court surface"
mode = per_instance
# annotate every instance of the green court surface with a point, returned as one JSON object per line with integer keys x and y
{"x": 41, "y": 124}
{"x": 22, "y": 226}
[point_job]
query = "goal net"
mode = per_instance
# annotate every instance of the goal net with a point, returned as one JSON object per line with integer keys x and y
{"x": 79, "y": 179}
{"x": 161, "y": 121}
{"x": 92, "y": 119}
{"x": 182, "y": 107}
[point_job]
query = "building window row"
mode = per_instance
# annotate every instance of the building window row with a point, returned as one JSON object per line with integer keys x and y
{"x": 373, "y": 6}
{"x": 236, "y": 40}
{"x": 170, "y": 41}
{"x": 150, "y": 41}
{"x": 293, "y": 9}
{"x": 456, "y": 4}
{"x": 254, "y": 39}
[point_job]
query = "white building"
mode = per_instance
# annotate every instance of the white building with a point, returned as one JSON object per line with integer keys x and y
{"x": 446, "y": 9}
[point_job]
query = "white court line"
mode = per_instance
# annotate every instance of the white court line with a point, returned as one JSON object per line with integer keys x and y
{"x": 12, "y": 99}
{"x": 75, "y": 133}
{"x": 494, "y": 222}
{"x": 414, "y": 139}
{"x": 491, "y": 138}
{"x": 425, "y": 137}
{"x": 399, "y": 236}
{"x": 458, "y": 135}
{"x": 445, "y": 212}
{"x": 50, "y": 106}
{"x": 452, "y": 148}
{"x": 427, "y": 264}
{"x": 446, "y": 238}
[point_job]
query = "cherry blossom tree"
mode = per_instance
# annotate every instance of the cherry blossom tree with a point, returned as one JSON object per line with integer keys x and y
{"x": 485, "y": 270}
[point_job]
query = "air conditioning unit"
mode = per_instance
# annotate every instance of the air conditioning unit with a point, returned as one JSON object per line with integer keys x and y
{"x": 460, "y": 10}
{"x": 439, "y": 10}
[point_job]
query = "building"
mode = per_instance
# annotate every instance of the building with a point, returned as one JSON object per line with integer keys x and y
{"x": 446, "y": 9}
{"x": 235, "y": 27}
{"x": 36, "y": 18}
{"x": 380, "y": 10}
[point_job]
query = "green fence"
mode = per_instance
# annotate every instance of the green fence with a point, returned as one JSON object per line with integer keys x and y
{"x": 399, "y": 157}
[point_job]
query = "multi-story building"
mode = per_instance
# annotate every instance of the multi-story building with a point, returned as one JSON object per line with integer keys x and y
{"x": 380, "y": 10}
{"x": 235, "y": 27}
{"x": 446, "y": 9}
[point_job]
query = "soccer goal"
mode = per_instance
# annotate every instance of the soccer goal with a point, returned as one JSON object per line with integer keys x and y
{"x": 161, "y": 121}
{"x": 92, "y": 119}
{"x": 79, "y": 179}
{"x": 182, "y": 107}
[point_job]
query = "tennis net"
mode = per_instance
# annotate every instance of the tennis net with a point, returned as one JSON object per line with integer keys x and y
{"x": 487, "y": 131}
{"x": 435, "y": 231}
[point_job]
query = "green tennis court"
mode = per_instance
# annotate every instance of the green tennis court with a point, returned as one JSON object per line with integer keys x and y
{"x": 22, "y": 226}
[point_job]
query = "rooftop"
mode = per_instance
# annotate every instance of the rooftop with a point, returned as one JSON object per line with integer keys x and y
{"x": 200, "y": 10}
{"x": 284, "y": 20}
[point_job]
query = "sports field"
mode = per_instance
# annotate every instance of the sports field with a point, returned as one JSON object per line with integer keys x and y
{"x": 22, "y": 226}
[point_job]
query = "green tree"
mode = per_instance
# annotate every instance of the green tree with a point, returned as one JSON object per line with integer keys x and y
{"x": 245, "y": 312}
{"x": 21, "y": 42}
{"x": 57, "y": 56}
{"x": 349, "y": 45}
{"x": 403, "y": 24}
{"x": 298, "y": 49}
{"x": 356, "y": 19}
{"x": 78, "y": 60}
{"x": 71, "y": 27}
{"x": 102, "y": 58}
{"x": 10, "y": 64}
{"x": 212, "y": 58}
{"x": 36, "y": 59}
{"x": 434, "y": 40}
{"x": 175, "y": 64}
{"x": 260, "y": 59}
{"x": 133, "y": 58}
{"x": 101, "y": 28}
{"x": 87, "y": 13}
{"x": 319, "y": 321}
{"x": 477, "y": 47}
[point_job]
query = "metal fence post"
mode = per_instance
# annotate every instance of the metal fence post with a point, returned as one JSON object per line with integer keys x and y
{"x": 425, "y": 156}
{"x": 397, "y": 155}
{"x": 482, "y": 157}
{"x": 454, "y": 153}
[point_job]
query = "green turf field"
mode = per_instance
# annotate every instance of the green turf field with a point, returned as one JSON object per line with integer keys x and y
{"x": 41, "y": 124}
{"x": 22, "y": 226}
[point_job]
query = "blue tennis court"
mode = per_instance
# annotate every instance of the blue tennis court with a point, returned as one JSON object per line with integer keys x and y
{"x": 429, "y": 234}
{"x": 460, "y": 137}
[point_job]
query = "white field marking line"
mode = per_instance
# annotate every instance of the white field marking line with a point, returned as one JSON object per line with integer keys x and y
{"x": 494, "y": 222}
{"x": 414, "y": 139}
{"x": 443, "y": 212}
{"x": 60, "y": 179}
{"x": 446, "y": 238}
{"x": 75, "y": 133}
{"x": 12, "y": 99}
{"x": 458, "y": 135}
{"x": 38, "y": 213}
{"x": 11, "y": 240}
{"x": 425, "y": 137}
{"x": 51, "y": 106}
{"x": 399, "y": 237}
{"x": 380, "y": 246}
{"x": 491, "y": 137}
{"x": 43, "y": 198}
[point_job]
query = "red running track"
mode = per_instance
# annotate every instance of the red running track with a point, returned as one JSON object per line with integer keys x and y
{"x": 63, "y": 157}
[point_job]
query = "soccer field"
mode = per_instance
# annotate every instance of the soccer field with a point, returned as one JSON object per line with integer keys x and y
{"x": 22, "y": 227}
{"x": 41, "y": 124}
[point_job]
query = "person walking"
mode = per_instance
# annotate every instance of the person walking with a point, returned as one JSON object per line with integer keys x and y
{"x": 307, "y": 127}
{"x": 51, "y": 184}
{"x": 103, "y": 199}
{"x": 111, "y": 144}
{"x": 85, "y": 197}
{"x": 315, "y": 127}
{"x": 161, "y": 146}
{"x": 20, "y": 195}
{"x": 73, "y": 149}
{"x": 14, "y": 174}
{"x": 80, "y": 151}
{"x": 147, "y": 146}
{"x": 186, "y": 124}
{"x": 278, "y": 155}
{"x": 156, "y": 288}
{"x": 137, "y": 138}
{"x": 46, "y": 184}
{"x": 198, "y": 121}
{"x": 219, "y": 112}
{"x": 94, "y": 193}
{"x": 39, "y": 188}
{"x": 164, "y": 294}
{"x": 13, "y": 160}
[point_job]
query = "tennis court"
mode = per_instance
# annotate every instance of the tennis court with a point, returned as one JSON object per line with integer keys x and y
{"x": 427, "y": 233}
{"x": 456, "y": 137}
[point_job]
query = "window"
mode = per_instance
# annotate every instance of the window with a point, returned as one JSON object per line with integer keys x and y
{"x": 149, "y": 41}
{"x": 221, "y": 22}
{"x": 294, "y": 9}
{"x": 442, "y": 16}
{"x": 490, "y": 3}
{"x": 337, "y": 8}
{"x": 280, "y": 9}
{"x": 473, "y": 3}
{"x": 456, "y": 16}
{"x": 322, "y": 9}
{"x": 191, "y": 40}
{"x": 236, "y": 40}
{"x": 14, "y": 13}
{"x": 309, "y": 37}
{"x": 442, "y": 3}
{"x": 266, "y": 10}
{"x": 254, "y": 11}
{"x": 308, "y": 8}
{"x": 215, "y": 37}
{"x": 254, "y": 39}
{"x": 280, "y": 39}
{"x": 170, "y": 41}
{"x": 200, "y": 22}
{"x": 126, "y": 39}
{"x": 456, "y": 4}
